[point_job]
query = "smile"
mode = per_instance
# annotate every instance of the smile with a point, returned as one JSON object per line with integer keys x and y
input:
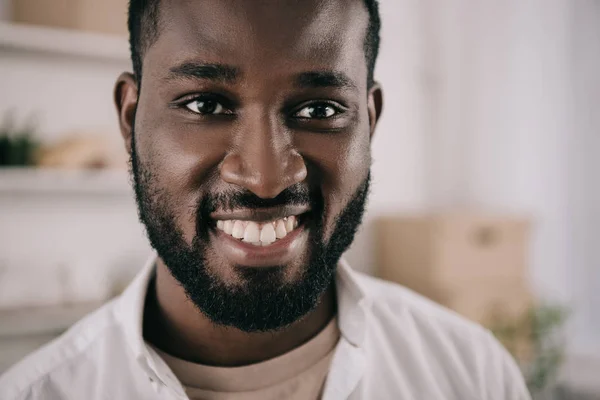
{"x": 261, "y": 237}
{"x": 257, "y": 233}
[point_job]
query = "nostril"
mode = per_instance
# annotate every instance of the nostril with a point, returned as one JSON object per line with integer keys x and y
{"x": 297, "y": 168}
{"x": 231, "y": 169}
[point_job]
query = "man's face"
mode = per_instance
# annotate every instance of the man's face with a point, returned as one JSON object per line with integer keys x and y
{"x": 251, "y": 151}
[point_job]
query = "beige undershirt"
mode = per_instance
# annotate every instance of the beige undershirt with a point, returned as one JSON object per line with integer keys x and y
{"x": 298, "y": 374}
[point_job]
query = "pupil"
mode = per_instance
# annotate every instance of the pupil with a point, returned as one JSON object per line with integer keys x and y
{"x": 207, "y": 106}
{"x": 320, "y": 111}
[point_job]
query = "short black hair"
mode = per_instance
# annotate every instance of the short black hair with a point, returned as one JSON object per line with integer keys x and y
{"x": 143, "y": 24}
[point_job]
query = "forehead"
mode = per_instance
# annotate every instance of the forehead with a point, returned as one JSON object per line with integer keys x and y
{"x": 263, "y": 35}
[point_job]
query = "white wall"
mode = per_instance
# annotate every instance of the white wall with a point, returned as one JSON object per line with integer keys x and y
{"x": 505, "y": 111}
{"x": 584, "y": 164}
{"x": 398, "y": 147}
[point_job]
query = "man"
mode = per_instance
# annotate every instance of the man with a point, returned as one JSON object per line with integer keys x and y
{"x": 249, "y": 126}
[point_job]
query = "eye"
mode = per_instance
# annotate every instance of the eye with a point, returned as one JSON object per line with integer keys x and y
{"x": 207, "y": 107}
{"x": 318, "y": 111}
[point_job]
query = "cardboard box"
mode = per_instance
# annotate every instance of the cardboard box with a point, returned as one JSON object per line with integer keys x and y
{"x": 491, "y": 304}
{"x": 106, "y": 16}
{"x": 475, "y": 264}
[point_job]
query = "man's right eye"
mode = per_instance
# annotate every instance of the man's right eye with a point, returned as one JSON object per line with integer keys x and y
{"x": 207, "y": 107}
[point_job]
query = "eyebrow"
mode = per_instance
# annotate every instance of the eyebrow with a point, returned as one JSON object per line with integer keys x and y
{"x": 229, "y": 74}
{"x": 324, "y": 79}
{"x": 213, "y": 72}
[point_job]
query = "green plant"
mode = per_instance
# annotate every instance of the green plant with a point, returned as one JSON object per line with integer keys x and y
{"x": 536, "y": 342}
{"x": 17, "y": 145}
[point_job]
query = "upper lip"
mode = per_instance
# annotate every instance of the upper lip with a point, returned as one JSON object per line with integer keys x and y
{"x": 260, "y": 214}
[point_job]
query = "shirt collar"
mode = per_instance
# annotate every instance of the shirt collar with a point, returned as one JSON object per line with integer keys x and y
{"x": 353, "y": 304}
{"x": 352, "y": 312}
{"x": 130, "y": 311}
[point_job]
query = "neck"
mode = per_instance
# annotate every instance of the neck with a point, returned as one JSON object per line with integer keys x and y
{"x": 174, "y": 324}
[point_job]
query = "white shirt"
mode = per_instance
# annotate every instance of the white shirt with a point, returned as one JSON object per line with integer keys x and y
{"x": 394, "y": 344}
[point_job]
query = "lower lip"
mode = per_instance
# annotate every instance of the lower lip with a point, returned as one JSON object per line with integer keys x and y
{"x": 281, "y": 252}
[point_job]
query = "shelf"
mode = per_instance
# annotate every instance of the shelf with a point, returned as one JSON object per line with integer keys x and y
{"x": 66, "y": 42}
{"x": 55, "y": 181}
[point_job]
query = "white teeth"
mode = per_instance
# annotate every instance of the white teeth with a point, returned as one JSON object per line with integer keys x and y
{"x": 258, "y": 234}
{"x": 238, "y": 230}
{"x": 267, "y": 234}
{"x": 228, "y": 227}
{"x": 280, "y": 231}
{"x": 290, "y": 224}
{"x": 252, "y": 233}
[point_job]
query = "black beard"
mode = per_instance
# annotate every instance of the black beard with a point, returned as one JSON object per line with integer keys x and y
{"x": 264, "y": 302}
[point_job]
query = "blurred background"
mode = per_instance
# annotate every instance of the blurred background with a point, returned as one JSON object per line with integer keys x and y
{"x": 485, "y": 194}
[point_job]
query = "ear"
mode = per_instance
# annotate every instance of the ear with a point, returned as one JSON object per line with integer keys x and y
{"x": 126, "y": 97}
{"x": 375, "y": 106}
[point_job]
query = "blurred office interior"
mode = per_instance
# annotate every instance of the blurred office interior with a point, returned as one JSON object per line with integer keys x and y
{"x": 485, "y": 194}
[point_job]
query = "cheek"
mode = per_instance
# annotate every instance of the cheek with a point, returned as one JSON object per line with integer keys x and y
{"x": 340, "y": 165}
{"x": 174, "y": 168}
{"x": 352, "y": 170}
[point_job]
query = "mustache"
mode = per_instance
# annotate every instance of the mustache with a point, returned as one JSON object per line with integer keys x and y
{"x": 295, "y": 195}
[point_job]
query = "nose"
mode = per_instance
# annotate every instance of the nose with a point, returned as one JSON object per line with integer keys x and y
{"x": 263, "y": 159}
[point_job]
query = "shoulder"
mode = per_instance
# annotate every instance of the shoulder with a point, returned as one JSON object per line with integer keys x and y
{"x": 69, "y": 351}
{"x": 442, "y": 339}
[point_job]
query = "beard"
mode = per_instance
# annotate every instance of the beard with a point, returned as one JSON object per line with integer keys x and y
{"x": 263, "y": 299}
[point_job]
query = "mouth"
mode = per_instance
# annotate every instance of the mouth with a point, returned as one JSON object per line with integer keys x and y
{"x": 259, "y": 233}
{"x": 255, "y": 238}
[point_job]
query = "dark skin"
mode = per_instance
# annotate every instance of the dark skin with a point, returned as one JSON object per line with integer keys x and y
{"x": 288, "y": 103}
